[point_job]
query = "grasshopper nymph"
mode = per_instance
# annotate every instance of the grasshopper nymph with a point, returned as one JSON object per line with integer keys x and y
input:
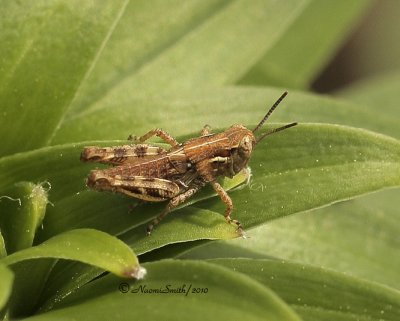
{"x": 156, "y": 174}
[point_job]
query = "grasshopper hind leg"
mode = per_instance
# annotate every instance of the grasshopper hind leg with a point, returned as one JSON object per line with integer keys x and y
{"x": 173, "y": 203}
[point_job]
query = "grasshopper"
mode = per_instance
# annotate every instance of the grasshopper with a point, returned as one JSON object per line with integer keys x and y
{"x": 156, "y": 174}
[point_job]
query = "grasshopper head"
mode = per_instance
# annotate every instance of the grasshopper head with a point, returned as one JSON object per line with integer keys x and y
{"x": 241, "y": 154}
{"x": 246, "y": 141}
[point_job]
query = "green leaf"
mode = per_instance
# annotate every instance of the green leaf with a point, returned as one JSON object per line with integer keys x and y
{"x": 203, "y": 54}
{"x": 324, "y": 157}
{"x": 144, "y": 32}
{"x": 379, "y": 96}
{"x": 3, "y": 251}
{"x": 29, "y": 281}
{"x": 310, "y": 166}
{"x": 51, "y": 164}
{"x": 228, "y": 295}
{"x": 186, "y": 224}
{"x": 296, "y": 58}
{"x": 229, "y": 105}
{"x": 6, "y": 277}
{"x": 334, "y": 158}
{"x": 360, "y": 236}
{"x": 20, "y": 219}
{"x": 48, "y": 48}
{"x": 87, "y": 246}
{"x": 318, "y": 294}
{"x": 194, "y": 35}
{"x": 116, "y": 215}
{"x": 83, "y": 245}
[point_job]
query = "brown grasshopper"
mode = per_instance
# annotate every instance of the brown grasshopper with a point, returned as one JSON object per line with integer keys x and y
{"x": 156, "y": 174}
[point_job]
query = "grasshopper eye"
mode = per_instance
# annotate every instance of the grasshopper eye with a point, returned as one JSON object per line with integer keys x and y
{"x": 246, "y": 146}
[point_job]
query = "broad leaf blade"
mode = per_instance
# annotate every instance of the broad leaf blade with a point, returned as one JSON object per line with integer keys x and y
{"x": 205, "y": 56}
{"x": 215, "y": 52}
{"x": 3, "y": 251}
{"x": 87, "y": 246}
{"x": 368, "y": 226}
{"x": 84, "y": 245}
{"x": 288, "y": 166}
{"x": 229, "y": 105}
{"x": 379, "y": 96}
{"x": 145, "y": 31}
{"x": 6, "y": 278}
{"x": 47, "y": 49}
{"x": 117, "y": 214}
{"x": 318, "y": 294}
{"x": 26, "y": 288}
{"x": 229, "y": 296}
{"x": 296, "y": 58}
{"x": 188, "y": 224}
{"x": 311, "y": 166}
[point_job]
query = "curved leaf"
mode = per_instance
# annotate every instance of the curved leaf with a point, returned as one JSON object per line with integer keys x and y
{"x": 187, "y": 224}
{"x": 6, "y": 278}
{"x": 50, "y": 164}
{"x": 359, "y": 237}
{"x": 296, "y": 58}
{"x": 379, "y": 96}
{"x": 3, "y": 251}
{"x": 318, "y": 294}
{"x": 229, "y": 105}
{"x": 48, "y": 48}
{"x": 310, "y": 166}
{"x": 116, "y": 215}
{"x": 87, "y": 246}
{"x": 304, "y": 168}
{"x": 170, "y": 31}
{"x": 203, "y": 55}
{"x": 144, "y": 32}
{"x": 29, "y": 281}
{"x": 181, "y": 225}
{"x": 20, "y": 219}
{"x": 227, "y": 295}
{"x": 334, "y": 158}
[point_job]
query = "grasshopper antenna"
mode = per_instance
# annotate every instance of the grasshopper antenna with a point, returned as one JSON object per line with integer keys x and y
{"x": 275, "y": 130}
{"x": 270, "y": 111}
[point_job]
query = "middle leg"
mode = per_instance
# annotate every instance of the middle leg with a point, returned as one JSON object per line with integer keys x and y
{"x": 155, "y": 132}
{"x": 173, "y": 203}
{"x": 206, "y": 130}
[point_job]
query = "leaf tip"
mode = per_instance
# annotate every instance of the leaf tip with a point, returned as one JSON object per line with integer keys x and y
{"x": 138, "y": 272}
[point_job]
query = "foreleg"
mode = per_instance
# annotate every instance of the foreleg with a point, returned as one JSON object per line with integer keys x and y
{"x": 228, "y": 203}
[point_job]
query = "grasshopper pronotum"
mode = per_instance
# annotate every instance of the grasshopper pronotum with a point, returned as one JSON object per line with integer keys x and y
{"x": 156, "y": 174}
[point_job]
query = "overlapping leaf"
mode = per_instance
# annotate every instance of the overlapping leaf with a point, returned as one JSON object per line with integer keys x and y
{"x": 6, "y": 277}
{"x": 318, "y": 294}
{"x": 219, "y": 299}
{"x": 48, "y": 48}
